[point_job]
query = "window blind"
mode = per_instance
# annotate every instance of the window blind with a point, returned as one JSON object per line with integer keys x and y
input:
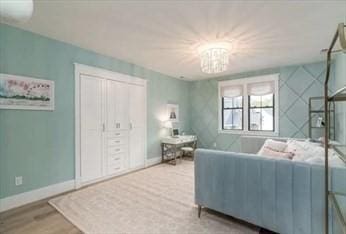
{"x": 261, "y": 88}
{"x": 232, "y": 91}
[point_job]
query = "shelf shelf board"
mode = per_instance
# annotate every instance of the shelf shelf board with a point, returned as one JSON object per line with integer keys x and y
{"x": 339, "y": 95}
{"x": 316, "y": 98}
{"x": 339, "y": 208}
{"x": 319, "y": 111}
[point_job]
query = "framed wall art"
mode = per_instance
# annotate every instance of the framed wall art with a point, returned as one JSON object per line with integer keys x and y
{"x": 26, "y": 93}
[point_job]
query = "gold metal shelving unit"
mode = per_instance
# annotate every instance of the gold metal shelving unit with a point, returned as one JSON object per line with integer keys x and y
{"x": 338, "y": 96}
{"x": 319, "y": 112}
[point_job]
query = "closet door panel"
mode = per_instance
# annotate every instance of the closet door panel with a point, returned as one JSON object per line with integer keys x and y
{"x": 110, "y": 109}
{"x": 137, "y": 106}
{"x": 121, "y": 93}
{"x": 136, "y": 148}
{"x": 137, "y": 125}
{"x": 91, "y": 128}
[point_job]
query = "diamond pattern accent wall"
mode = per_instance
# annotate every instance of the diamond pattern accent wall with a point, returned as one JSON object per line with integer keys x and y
{"x": 297, "y": 85}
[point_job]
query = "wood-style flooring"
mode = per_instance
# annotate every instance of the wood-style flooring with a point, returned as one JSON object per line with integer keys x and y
{"x": 35, "y": 218}
{"x": 42, "y": 218}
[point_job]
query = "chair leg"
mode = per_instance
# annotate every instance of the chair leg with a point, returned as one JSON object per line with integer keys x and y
{"x": 199, "y": 211}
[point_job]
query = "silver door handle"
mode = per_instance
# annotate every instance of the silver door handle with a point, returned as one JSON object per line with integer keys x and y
{"x": 130, "y": 126}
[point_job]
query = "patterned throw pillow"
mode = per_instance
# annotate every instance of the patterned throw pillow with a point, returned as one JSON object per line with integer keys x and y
{"x": 274, "y": 148}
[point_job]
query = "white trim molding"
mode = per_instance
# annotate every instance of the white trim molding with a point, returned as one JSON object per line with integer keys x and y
{"x": 21, "y": 199}
{"x": 244, "y": 82}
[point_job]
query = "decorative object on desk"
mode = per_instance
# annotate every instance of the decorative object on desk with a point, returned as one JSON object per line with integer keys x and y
{"x": 18, "y": 92}
{"x": 173, "y": 112}
{"x": 319, "y": 122}
{"x": 175, "y": 132}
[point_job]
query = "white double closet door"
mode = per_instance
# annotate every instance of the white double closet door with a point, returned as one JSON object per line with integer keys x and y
{"x": 113, "y": 124}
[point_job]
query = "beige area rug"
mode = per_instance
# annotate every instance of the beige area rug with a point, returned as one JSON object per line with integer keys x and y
{"x": 159, "y": 199}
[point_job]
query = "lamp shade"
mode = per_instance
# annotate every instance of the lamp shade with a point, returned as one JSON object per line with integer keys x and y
{"x": 172, "y": 115}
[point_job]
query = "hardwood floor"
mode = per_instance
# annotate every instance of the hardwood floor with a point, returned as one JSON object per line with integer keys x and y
{"x": 35, "y": 218}
{"x": 41, "y": 218}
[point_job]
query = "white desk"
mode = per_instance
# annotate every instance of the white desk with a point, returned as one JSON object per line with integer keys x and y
{"x": 170, "y": 146}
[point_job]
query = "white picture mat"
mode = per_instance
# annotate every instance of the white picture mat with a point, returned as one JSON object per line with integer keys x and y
{"x": 176, "y": 110}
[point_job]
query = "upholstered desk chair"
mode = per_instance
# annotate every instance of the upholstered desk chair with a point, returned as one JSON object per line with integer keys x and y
{"x": 189, "y": 150}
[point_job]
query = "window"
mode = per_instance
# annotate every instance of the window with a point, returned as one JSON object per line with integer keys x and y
{"x": 232, "y": 117}
{"x": 232, "y": 107}
{"x": 249, "y": 106}
{"x": 261, "y": 113}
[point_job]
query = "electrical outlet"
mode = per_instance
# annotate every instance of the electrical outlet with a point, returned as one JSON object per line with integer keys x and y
{"x": 214, "y": 144}
{"x": 19, "y": 180}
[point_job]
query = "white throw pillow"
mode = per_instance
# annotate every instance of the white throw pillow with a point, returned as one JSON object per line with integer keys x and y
{"x": 275, "y": 145}
{"x": 272, "y": 148}
{"x": 297, "y": 149}
{"x": 276, "y": 154}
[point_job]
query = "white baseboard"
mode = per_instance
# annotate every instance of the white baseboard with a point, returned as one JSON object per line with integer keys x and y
{"x": 152, "y": 161}
{"x": 21, "y": 199}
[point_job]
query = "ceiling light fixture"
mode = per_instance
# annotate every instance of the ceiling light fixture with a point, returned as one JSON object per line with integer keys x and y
{"x": 214, "y": 57}
{"x": 16, "y": 11}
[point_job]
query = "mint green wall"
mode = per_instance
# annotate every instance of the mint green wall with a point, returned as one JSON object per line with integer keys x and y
{"x": 39, "y": 145}
{"x": 297, "y": 84}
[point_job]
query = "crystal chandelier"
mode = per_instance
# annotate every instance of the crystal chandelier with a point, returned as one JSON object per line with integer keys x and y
{"x": 214, "y": 57}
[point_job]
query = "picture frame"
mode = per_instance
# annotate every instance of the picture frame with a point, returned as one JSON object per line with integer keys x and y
{"x": 26, "y": 93}
{"x": 173, "y": 112}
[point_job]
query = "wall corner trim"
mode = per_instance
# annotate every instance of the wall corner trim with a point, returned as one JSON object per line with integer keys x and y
{"x": 21, "y": 199}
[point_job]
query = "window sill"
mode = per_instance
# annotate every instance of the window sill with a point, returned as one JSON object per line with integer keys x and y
{"x": 251, "y": 133}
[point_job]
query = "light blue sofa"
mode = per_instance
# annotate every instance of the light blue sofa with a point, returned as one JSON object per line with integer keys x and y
{"x": 279, "y": 195}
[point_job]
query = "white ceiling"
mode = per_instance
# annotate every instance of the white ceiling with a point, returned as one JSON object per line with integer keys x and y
{"x": 163, "y": 35}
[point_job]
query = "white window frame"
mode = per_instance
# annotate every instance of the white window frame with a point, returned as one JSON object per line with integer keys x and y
{"x": 244, "y": 82}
